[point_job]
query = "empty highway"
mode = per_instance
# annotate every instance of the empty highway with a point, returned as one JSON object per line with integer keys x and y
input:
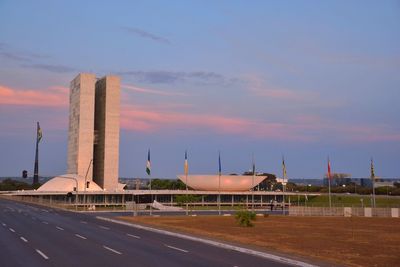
{"x": 33, "y": 235}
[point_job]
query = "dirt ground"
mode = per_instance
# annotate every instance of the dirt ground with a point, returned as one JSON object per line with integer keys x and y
{"x": 355, "y": 241}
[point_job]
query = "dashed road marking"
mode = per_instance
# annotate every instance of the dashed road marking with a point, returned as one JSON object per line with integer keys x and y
{"x": 4, "y": 224}
{"x": 24, "y": 239}
{"x": 84, "y": 222}
{"x": 60, "y": 228}
{"x": 179, "y": 249}
{"x": 103, "y": 227}
{"x": 112, "y": 250}
{"x": 42, "y": 254}
{"x": 134, "y": 236}
{"x": 12, "y": 230}
{"x": 44, "y": 222}
{"x": 80, "y": 236}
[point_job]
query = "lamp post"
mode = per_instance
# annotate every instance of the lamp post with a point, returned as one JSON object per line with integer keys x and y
{"x": 76, "y": 183}
{"x": 85, "y": 185}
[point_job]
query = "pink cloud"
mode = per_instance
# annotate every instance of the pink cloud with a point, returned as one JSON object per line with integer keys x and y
{"x": 257, "y": 86}
{"x": 52, "y": 97}
{"x": 304, "y": 128}
{"x": 150, "y": 91}
{"x": 146, "y": 120}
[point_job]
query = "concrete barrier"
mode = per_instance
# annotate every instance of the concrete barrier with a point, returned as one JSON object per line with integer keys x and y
{"x": 368, "y": 212}
{"x": 344, "y": 211}
{"x": 395, "y": 212}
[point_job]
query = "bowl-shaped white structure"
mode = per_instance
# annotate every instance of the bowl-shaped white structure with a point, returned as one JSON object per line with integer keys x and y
{"x": 227, "y": 182}
{"x": 66, "y": 183}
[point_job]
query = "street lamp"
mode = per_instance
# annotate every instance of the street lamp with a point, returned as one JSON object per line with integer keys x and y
{"x": 76, "y": 182}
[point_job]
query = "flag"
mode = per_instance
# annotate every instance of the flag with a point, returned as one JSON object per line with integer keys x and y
{"x": 39, "y": 133}
{"x": 148, "y": 165}
{"x": 372, "y": 169}
{"x": 284, "y": 168}
{"x": 219, "y": 164}
{"x": 186, "y": 166}
{"x": 329, "y": 169}
{"x": 254, "y": 167}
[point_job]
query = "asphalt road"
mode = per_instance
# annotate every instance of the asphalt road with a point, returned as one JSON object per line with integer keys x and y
{"x": 37, "y": 236}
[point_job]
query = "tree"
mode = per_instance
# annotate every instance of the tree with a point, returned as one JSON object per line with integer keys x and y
{"x": 12, "y": 185}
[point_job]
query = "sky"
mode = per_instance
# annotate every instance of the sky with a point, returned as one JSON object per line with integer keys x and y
{"x": 263, "y": 79}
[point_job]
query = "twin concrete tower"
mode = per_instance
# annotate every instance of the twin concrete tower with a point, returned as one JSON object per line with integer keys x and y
{"x": 93, "y": 135}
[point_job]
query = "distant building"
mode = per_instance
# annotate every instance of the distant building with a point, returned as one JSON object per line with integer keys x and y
{"x": 338, "y": 179}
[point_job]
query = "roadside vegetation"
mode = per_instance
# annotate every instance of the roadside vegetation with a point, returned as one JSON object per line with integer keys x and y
{"x": 12, "y": 185}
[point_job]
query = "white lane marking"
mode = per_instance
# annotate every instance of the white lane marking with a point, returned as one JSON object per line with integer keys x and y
{"x": 83, "y": 222}
{"x": 103, "y": 227}
{"x": 12, "y": 230}
{"x": 45, "y": 222}
{"x": 113, "y": 250}
{"x": 134, "y": 236}
{"x": 45, "y": 210}
{"x": 42, "y": 254}
{"x": 213, "y": 243}
{"x": 24, "y": 239}
{"x": 60, "y": 228}
{"x": 80, "y": 236}
{"x": 179, "y": 249}
{"x": 4, "y": 224}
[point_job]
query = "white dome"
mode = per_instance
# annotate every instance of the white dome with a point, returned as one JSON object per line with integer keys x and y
{"x": 227, "y": 182}
{"x": 66, "y": 183}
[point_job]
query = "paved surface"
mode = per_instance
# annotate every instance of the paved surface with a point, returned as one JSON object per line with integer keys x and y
{"x": 36, "y": 236}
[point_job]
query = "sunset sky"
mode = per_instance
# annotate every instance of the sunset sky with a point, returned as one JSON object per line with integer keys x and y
{"x": 303, "y": 79}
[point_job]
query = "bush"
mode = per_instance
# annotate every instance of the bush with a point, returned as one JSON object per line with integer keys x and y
{"x": 245, "y": 217}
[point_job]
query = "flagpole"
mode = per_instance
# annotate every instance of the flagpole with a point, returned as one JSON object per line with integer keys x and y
{"x": 219, "y": 183}
{"x": 283, "y": 184}
{"x": 36, "y": 168}
{"x": 373, "y": 182}
{"x": 148, "y": 170}
{"x": 186, "y": 178}
{"x": 252, "y": 185}
{"x": 329, "y": 183}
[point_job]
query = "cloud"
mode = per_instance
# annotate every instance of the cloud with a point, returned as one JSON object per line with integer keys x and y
{"x": 171, "y": 77}
{"x": 258, "y": 87}
{"x": 20, "y": 56}
{"x": 150, "y": 91}
{"x": 143, "y": 119}
{"x": 53, "y": 97}
{"x": 146, "y": 35}
{"x": 51, "y": 68}
{"x": 302, "y": 128}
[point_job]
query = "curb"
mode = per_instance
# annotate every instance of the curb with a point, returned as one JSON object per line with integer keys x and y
{"x": 213, "y": 243}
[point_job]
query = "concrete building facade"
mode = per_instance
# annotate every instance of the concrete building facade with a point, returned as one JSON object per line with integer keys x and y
{"x": 106, "y": 128}
{"x": 81, "y": 123}
{"x": 94, "y": 129}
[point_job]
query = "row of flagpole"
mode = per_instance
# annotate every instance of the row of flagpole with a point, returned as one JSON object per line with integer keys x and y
{"x": 284, "y": 179}
{"x": 186, "y": 171}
